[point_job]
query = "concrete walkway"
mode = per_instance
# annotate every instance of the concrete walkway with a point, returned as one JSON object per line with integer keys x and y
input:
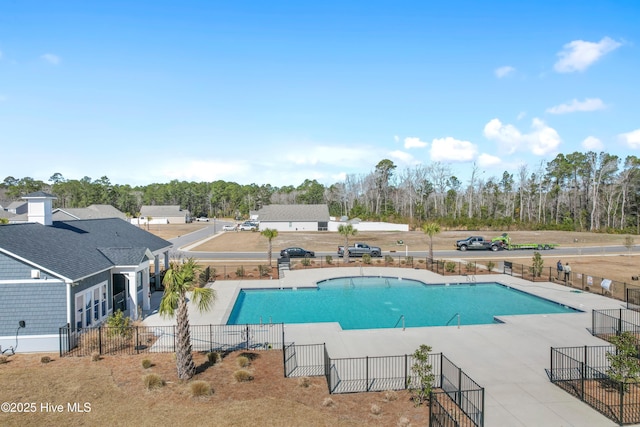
{"x": 508, "y": 359}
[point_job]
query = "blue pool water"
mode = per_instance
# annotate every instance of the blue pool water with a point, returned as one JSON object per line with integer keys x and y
{"x": 379, "y": 302}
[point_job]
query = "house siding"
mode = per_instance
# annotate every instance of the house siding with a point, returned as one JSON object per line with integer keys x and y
{"x": 13, "y": 269}
{"x": 41, "y": 304}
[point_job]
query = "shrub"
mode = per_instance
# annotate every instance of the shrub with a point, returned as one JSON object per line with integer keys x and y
{"x": 119, "y": 325}
{"x": 240, "y": 271}
{"x": 538, "y": 265}
{"x": 366, "y": 259}
{"x": 242, "y": 375}
{"x": 375, "y": 409}
{"x": 388, "y": 259}
{"x": 390, "y": 395}
{"x": 243, "y": 361}
{"x": 420, "y": 388}
{"x": 409, "y": 260}
{"x": 328, "y": 402}
{"x": 304, "y": 382}
{"x": 264, "y": 270}
{"x": 624, "y": 361}
{"x": 329, "y": 259}
{"x": 152, "y": 381}
{"x": 45, "y": 359}
{"x": 470, "y": 266}
{"x": 306, "y": 261}
{"x": 3, "y": 359}
{"x": 200, "y": 388}
{"x": 95, "y": 356}
{"x": 146, "y": 363}
{"x": 206, "y": 276}
{"x": 449, "y": 266}
{"x": 491, "y": 265}
{"x": 404, "y": 422}
{"x": 213, "y": 357}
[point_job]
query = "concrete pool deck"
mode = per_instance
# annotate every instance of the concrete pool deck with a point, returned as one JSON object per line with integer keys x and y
{"x": 508, "y": 359}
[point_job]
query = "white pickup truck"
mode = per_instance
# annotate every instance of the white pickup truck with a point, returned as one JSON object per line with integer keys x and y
{"x": 359, "y": 249}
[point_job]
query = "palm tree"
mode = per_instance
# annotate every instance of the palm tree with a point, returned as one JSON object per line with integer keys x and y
{"x": 270, "y": 234}
{"x": 180, "y": 279}
{"x": 346, "y": 230}
{"x": 431, "y": 229}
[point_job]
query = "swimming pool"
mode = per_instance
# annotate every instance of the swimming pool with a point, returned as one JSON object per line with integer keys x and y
{"x": 382, "y": 302}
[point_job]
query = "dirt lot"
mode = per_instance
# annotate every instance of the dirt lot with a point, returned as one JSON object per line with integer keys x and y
{"x": 114, "y": 389}
{"x": 619, "y": 267}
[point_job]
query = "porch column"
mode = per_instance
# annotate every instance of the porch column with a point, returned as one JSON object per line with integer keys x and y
{"x": 146, "y": 290}
{"x": 166, "y": 260}
{"x": 133, "y": 294}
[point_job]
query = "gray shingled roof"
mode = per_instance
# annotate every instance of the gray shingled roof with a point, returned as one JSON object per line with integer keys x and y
{"x": 90, "y": 212}
{"x": 162, "y": 211}
{"x": 79, "y": 248}
{"x": 294, "y": 213}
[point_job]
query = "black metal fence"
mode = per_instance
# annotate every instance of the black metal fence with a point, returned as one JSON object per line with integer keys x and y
{"x": 162, "y": 339}
{"x": 364, "y": 374}
{"x": 575, "y": 279}
{"x": 633, "y": 298}
{"x": 584, "y": 372}
{"x": 614, "y": 321}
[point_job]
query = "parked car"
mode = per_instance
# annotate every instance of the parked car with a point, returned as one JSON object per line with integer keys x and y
{"x": 203, "y": 219}
{"x": 297, "y": 253}
{"x": 229, "y": 227}
{"x": 248, "y": 226}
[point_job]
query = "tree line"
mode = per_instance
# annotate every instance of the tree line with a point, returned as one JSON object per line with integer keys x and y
{"x": 578, "y": 191}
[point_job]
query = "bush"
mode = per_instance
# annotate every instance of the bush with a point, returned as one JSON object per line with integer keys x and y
{"x": 152, "y": 381}
{"x": 538, "y": 265}
{"x": 388, "y": 259}
{"x": 328, "y": 259}
{"x": 409, "y": 260}
{"x": 240, "y": 271}
{"x": 375, "y": 409}
{"x": 491, "y": 265}
{"x": 146, "y": 363}
{"x": 213, "y": 357}
{"x": 45, "y": 359}
{"x": 243, "y": 361}
{"x": 306, "y": 261}
{"x": 3, "y": 360}
{"x": 328, "y": 402}
{"x": 449, "y": 266}
{"x": 119, "y": 325}
{"x": 200, "y": 388}
{"x": 242, "y": 375}
{"x": 470, "y": 266}
{"x": 304, "y": 382}
{"x": 95, "y": 356}
{"x": 420, "y": 388}
{"x": 264, "y": 270}
{"x": 390, "y": 395}
{"x": 366, "y": 258}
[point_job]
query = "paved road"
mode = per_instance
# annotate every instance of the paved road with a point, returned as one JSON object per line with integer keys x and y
{"x": 188, "y": 240}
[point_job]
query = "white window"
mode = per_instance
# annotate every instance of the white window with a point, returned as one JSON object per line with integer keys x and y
{"x": 91, "y": 306}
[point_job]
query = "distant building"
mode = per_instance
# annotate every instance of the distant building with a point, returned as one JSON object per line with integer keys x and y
{"x": 165, "y": 214}
{"x": 293, "y": 217}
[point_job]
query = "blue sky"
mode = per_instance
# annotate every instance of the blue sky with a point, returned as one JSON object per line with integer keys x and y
{"x": 280, "y": 91}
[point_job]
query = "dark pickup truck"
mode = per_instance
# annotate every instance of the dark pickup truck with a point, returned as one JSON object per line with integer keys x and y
{"x": 360, "y": 249}
{"x": 477, "y": 242}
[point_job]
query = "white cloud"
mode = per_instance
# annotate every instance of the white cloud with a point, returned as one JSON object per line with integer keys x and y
{"x": 396, "y": 138}
{"x": 540, "y": 141}
{"x": 589, "y": 104}
{"x": 51, "y": 58}
{"x": 521, "y": 115}
{"x": 453, "y": 150}
{"x": 403, "y": 157}
{"x": 632, "y": 139}
{"x": 578, "y": 55}
{"x": 591, "y": 143}
{"x": 487, "y": 160}
{"x": 413, "y": 142}
{"x": 504, "y": 71}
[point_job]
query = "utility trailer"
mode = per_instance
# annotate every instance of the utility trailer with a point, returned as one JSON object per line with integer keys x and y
{"x": 508, "y": 245}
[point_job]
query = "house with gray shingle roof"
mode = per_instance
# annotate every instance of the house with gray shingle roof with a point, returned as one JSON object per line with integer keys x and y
{"x": 163, "y": 214}
{"x": 90, "y": 212}
{"x": 293, "y": 217}
{"x": 76, "y": 273}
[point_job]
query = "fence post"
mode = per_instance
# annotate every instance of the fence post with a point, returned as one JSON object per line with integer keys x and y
{"x": 552, "y": 371}
{"x": 459, "y": 393}
{"x": 137, "y": 341}
{"x": 247, "y": 332}
{"x": 621, "y": 413}
{"x": 406, "y": 379}
{"x": 174, "y": 338}
{"x": 367, "y": 374}
{"x": 100, "y": 340}
{"x": 582, "y": 374}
